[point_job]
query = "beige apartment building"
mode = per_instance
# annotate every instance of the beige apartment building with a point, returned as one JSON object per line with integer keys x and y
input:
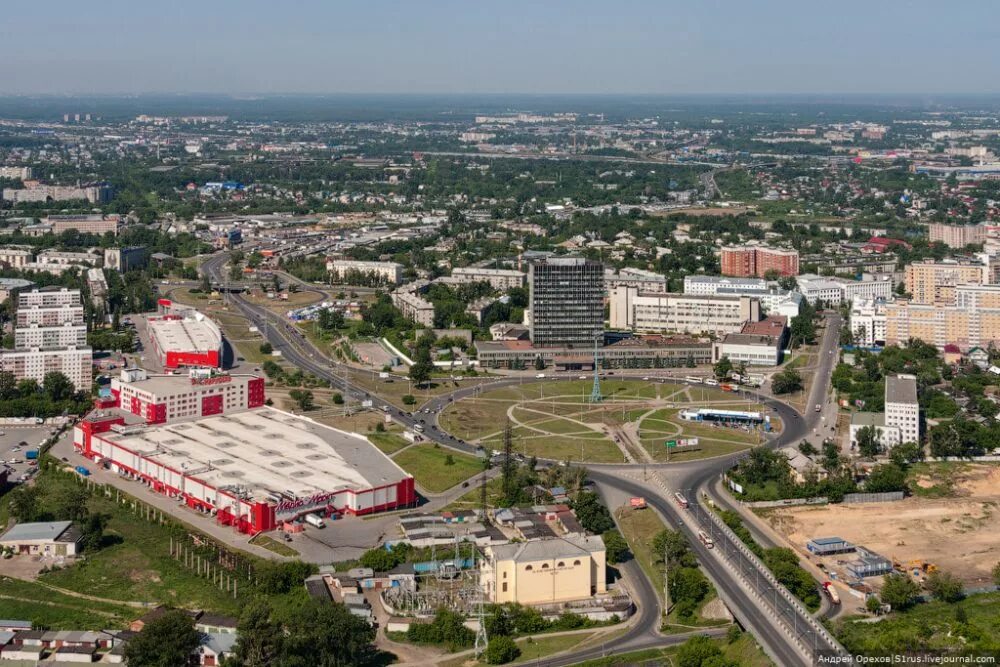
{"x": 934, "y": 282}
{"x": 545, "y": 571}
{"x": 972, "y": 320}
{"x": 956, "y": 236}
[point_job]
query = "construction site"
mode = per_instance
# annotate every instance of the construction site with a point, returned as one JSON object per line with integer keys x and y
{"x": 958, "y": 533}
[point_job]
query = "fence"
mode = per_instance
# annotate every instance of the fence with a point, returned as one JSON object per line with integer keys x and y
{"x": 787, "y": 502}
{"x": 887, "y": 497}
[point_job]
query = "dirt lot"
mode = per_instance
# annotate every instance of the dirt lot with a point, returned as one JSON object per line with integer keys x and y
{"x": 959, "y": 533}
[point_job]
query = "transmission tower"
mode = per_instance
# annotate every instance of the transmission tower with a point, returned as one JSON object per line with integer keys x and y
{"x": 482, "y": 493}
{"x": 595, "y": 393}
{"x": 481, "y": 639}
{"x": 508, "y": 460}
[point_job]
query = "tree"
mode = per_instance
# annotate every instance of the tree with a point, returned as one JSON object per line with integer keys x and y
{"x": 25, "y": 503}
{"x": 906, "y": 453}
{"x": 303, "y": 398}
{"x": 266, "y": 348}
{"x": 615, "y": 547}
{"x": 886, "y": 478}
{"x": 539, "y": 363}
{"x": 409, "y": 399}
{"x": 338, "y": 399}
{"x": 167, "y": 641}
{"x": 378, "y": 559}
{"x": 260, "y": 636}
{"x": 786, "y": 382}
{"x": 592, "y": 513}
{"x": 671, "y": 547}
{"x": 501, "y": 650}
{"x": 420, "y": 372}
{"x": 70, "y": 503}
{"x": 449, "y": 460}
{"x": 899, "y": 591}
{"x": 872, "y": 604}
{"x": 327, "y": 635}
{"x": 807, "y": 448}
{"x": 698, "y": 651}
{"x": 945, "y": 587}
{"x": 869, "y": 442}
{"x": 58, "y": 386}
{"x": 722, "y": 368}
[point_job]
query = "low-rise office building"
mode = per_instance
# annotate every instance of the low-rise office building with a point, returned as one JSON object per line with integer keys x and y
{"x": 681, "y": 313}
{"x": 835, "y": 291}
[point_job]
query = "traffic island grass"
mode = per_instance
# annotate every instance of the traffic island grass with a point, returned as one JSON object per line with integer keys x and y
{"x": 555, "y": 419}
{"x": 389, "y": 443}
{"x": 639, "y": 527}
{"x": 43, "y": 606}
{"x": 436, "y": 469}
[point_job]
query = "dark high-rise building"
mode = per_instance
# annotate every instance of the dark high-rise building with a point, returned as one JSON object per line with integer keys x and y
{"x": 567, "y": 302}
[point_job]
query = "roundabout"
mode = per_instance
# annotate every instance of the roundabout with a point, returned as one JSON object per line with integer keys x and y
{"x": 633, "y": 422}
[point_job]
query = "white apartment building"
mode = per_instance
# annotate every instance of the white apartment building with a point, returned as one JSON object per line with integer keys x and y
{"x": 902, "y": 410}
{"x": 835, "y": 291}
{"x": 499, "y": 279}
{"x": 681, "y": 313}
{"x": 648, "y": 282}
{"x": 48, "y": 298}
{"x": 49, "y": 316}
{"x": 68, "y": 258}
{"x": 868, "y": 316}
{"x": 22, "y": 173}
{"x": 75, "y": 363}
{"x": 900, "y": 423}
{"x": 389, "y": 272}
{"x": 47, "y": 337}
{"x": 773, "y": 300}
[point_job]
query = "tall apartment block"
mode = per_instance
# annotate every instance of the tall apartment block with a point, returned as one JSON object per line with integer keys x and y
{"x": 744, "y": 261}
{"x": 956, "y": 236}
{"x": 902, "y": 410}
{"x": 566, "y": 298}
{"x": 935, "y": 282}
{"x": 50, "y": 335}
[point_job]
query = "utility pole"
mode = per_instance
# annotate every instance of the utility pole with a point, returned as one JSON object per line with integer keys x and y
{"x": 508, "y": 472}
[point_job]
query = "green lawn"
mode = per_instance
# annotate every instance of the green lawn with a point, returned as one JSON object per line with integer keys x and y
{"x": 32, "y": 601}
{"x": 274, "y": 545}
{"x": 430, "y": 468}
{"x": 639, "y": 527}
{"x": 390, "y": 443}
{"x": 533, "y": 648}
{"x": 744, "y": 652}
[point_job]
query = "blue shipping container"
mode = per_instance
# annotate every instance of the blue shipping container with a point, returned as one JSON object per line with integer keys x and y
{"x": 31, "y": 454}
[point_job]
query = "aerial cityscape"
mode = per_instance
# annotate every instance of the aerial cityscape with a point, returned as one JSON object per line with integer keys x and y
{"x": 546, "y": 352}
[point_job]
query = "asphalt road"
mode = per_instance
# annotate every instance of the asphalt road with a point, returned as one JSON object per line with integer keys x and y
{"x": 691, "y": 476}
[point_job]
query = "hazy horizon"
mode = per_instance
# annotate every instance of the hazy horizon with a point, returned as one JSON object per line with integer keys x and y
{"x": 636, "y": 47}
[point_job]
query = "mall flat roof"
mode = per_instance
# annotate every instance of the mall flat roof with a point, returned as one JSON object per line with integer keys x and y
{"x": 265, "y": 451}
{"x": 189, "y": 334}
{"x": 169, "y": 385}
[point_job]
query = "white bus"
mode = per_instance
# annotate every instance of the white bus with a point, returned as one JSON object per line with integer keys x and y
{"x": 694, "y": 379}
{"x": 705, "y": 539}
{"x": 681, "y": 500}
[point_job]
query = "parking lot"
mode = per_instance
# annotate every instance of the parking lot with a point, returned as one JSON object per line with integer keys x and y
{"x": 15, "y": 441}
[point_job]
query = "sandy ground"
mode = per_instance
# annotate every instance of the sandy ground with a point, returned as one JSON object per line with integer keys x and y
{"x": 959, "y": 534}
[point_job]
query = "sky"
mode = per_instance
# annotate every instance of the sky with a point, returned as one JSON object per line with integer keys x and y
{"x": 511, "y": 46}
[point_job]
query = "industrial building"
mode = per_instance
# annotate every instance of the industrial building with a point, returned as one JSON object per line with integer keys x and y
{"x": 566, "y": 300}
{"x": 545, "y": 571}
{"x": 252, "y": 469}
{"x": 46, "y": 538}
{"x": 182, "y": 336}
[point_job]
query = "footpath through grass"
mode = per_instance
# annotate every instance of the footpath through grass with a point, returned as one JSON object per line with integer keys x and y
{"x": 43, "y": 606}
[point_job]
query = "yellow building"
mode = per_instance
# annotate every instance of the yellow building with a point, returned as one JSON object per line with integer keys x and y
{"x": 545, "y": 571}
{"x": 935, "y": 282}
{"x": 971, "y": 320}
